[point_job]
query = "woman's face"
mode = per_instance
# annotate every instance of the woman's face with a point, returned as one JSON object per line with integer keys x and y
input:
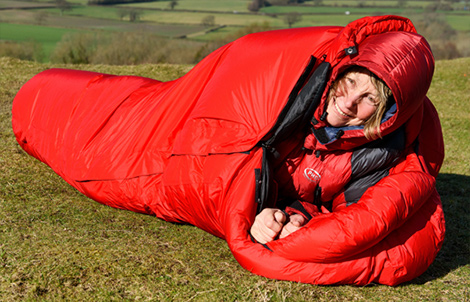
{"x": 354, "y": 101}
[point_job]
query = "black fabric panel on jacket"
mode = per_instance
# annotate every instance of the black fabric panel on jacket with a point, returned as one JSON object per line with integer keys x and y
{"x": 378, "y": 154}
{"x": 301, "y": 110}
{"x": 321, "y": 135}
{"x": 371, "y": 162}
{"x": 354, "y": 190}
{"x": 293, "y": 94}
{"x": 299, "y": 207}
{"x": 294, "y": 117}
{"x": 258, "y": 183}
{"x": 266, "y": 189}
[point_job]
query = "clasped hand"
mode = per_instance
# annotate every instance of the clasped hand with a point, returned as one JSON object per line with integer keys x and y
{"x": 273, "y": 223}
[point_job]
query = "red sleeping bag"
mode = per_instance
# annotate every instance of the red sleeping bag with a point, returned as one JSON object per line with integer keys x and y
{"x": 197, "y": 149}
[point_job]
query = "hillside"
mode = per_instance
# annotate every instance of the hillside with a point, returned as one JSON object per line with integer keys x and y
{"x": 56, "y": 244}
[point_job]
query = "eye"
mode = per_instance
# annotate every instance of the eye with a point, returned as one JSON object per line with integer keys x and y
{"x": 371, "y": 100}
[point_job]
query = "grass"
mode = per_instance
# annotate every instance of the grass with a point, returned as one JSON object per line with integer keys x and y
{"x": 451, "y": 87}
{"x": 57, "y": 245}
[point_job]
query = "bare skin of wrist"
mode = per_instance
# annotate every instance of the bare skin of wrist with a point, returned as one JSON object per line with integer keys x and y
{"x": 271, "y": 223}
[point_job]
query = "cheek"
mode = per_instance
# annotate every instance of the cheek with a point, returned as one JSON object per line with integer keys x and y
{"x": 366, "y": 111}
{"x": 341, "y": 90}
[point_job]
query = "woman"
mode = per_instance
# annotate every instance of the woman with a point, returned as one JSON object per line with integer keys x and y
{"x": 357, "y": 98}
{"x": 211, "y": 148}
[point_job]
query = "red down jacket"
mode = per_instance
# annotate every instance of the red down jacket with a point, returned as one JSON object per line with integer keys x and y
{"x": 200, "y": 149}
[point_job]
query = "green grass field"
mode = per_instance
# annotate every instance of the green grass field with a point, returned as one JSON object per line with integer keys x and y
{"x": 241, "y": 5}
{"x": 459, "y": 22}
{"x": 48, "y": 37}
{"x": 383, "y": 3}
{"x": 199, "y": 5}
{"x": 331, "y": 10}
{"x": 57, "y": 245}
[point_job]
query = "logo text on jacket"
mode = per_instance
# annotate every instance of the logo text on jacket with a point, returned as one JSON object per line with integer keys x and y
{"x": 312, "y": 175}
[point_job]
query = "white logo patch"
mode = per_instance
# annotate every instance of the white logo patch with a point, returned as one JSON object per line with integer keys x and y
{"x": 312, "y": 175}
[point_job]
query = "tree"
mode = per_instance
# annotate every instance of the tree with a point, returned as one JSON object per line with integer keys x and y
{"x": 75, "y": 48}
{"x": 361, "y": 3}
{"x": 401, "y": 3}
{"x": 255, "y": 5}
{"x": 291, "y": 18}
{"x": 208, "y": 21}
{"x": 134, "y": 15}
{"x": 172, "y": 4}
{"x": 40, "y": 17}
{"x": 63, "y": 5}
{"x": 122, "y": 13}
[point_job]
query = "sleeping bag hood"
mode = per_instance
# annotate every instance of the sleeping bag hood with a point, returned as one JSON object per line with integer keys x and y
{"x": 201, "y": 149}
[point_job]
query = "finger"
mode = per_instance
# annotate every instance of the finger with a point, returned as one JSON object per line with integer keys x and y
{"x": 280, "y": 217}
{"x": 263, "y": 235}
{"x": 288, "y": 229}
{"x": 297, "y": 220}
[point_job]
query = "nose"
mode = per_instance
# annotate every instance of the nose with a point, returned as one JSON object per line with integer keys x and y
{"x": 352, "y": 99}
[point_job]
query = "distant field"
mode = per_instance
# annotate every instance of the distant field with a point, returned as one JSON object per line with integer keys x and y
{"x": 390, "y": 3}
{"x": 20, "y": 32}
{"x": 55, "y": 27}
{"x": 46, "y": 36}
{"x": 86, "y": 22}
{"x": 246, "y": 19}
{"x": 459, "y": 22}
{"x": 241, "y": 5}
{"x": 235, "y": 13}
{"x": 196, "y": 17}
{"x": 331, "y": 10}
{"x": 202, "y": 5}
{"x": 22, "y": 4}
{"x": 218, "y": 34}
{"x": 100, "y": 12}
{"x": 186, "y": 18}
{"x": 81, "y": 2}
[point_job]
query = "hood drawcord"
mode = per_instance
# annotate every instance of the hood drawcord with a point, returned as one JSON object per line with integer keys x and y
{"x": 339, "y": 134}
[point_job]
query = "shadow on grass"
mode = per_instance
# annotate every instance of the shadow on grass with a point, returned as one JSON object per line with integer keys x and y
{"x": 454, "y": 190}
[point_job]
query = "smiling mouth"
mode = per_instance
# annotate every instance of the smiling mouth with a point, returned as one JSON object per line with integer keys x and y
{"x": 340, "y": 111}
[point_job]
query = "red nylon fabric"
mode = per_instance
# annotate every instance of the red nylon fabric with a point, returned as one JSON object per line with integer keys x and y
{"x": 185, "y": 150}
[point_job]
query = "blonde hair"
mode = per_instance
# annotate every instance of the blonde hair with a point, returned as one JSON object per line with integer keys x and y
{"x": 372, "y": 125}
